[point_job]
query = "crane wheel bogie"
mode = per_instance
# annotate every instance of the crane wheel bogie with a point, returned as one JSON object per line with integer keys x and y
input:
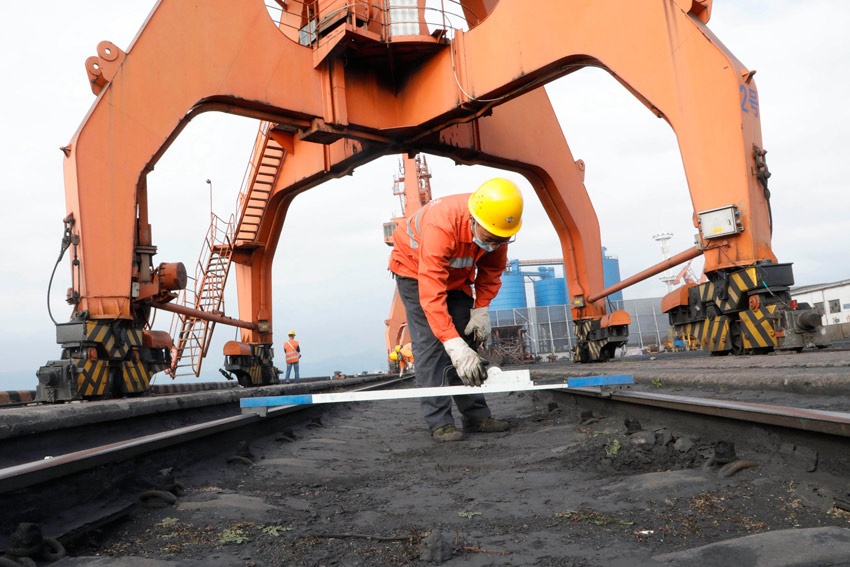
{"x": 102, "y": 360}
{"x": 253, "y": 366}
{"x": 745, "y": 311}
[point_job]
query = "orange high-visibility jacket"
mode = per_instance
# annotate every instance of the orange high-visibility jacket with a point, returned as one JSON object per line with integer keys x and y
{"x": 407, "y": 352}
{"x": 434, "y": 245}
{"x": 292, "y": 351}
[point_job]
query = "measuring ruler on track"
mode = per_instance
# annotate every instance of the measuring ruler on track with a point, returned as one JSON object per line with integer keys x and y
{"x": 498, "y": 381}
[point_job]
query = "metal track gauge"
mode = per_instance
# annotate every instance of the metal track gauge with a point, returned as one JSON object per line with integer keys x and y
{"x": 497, "y": 381}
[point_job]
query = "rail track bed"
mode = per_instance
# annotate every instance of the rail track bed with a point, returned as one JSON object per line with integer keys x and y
{"x": 573, "y": 483}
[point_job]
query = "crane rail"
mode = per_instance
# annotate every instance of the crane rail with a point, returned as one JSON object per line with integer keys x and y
{"x": 29, "y": 474}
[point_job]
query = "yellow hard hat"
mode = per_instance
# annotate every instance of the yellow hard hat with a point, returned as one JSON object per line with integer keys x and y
{"x": 291, "y": 333}
{"x": 497, "y": 207}
{"x": 398, "y": 347}
{"x": 393, "y": 356}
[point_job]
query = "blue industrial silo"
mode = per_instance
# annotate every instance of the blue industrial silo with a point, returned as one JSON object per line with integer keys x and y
{"x": 512, "y": 293}
{"x": 611, "y": 274}
{"x": 549, "y": 290}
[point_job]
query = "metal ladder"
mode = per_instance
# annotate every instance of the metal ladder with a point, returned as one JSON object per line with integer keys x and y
{"x": 207, "y": 294}
{"x": 254, "y": 197}
{"x": 192, "y": 335}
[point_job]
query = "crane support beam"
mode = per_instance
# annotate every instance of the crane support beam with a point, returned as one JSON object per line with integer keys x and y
{"x": 206, "y": 316}
{"x": 688, "y": 254}
{"x": 172, "y": 71}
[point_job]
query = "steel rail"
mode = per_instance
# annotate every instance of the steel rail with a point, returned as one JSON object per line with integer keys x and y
{"x": 816, "y": 421}
{"x": 29, "y": 474}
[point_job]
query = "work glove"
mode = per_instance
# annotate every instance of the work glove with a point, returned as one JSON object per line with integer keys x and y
{"x": 466, "y": 361}
{"x": 479, "y": 325}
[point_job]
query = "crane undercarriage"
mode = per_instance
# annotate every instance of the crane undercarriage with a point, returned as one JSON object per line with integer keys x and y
{"x": 747, "y": 311}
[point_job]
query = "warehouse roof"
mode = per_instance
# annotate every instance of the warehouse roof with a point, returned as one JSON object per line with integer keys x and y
{"x": 818, "y": 287}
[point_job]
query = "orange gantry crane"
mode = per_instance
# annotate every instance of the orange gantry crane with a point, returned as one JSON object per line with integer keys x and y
{"x": 341, "y": 83}
{"x": 412, "y": 185}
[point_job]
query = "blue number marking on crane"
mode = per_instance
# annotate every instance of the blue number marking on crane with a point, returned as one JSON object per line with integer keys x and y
{"x": 749, "y": 96}
{"x": 754, "y": 102}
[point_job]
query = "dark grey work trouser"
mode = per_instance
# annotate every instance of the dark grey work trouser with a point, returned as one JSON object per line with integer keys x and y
{"x": 432, "y": 360}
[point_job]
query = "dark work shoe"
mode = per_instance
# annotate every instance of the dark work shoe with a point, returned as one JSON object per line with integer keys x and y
{"x": 487, "y": 425}
{"x": 447, "y": 433}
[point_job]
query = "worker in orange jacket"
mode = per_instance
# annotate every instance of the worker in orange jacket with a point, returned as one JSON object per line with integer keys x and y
{"x": 292, "y": 350}
{"x": 406, "y": 353}
{"x": 440, "y": 253}
{"x": 404, "y": 356}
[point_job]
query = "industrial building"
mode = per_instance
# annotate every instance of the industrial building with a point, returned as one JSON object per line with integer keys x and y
{"x": 832, "y": 300}
{"x": 548, "y": 289}
{"x": 542, "y": 325}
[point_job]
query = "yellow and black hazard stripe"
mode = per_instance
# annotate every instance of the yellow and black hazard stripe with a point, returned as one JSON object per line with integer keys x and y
{"x": 104, "y": 333}
{"x": 191, "y": 387}
{"x": 697, "y": 330}
{"x": 17, "y": 396}
{"x": 582, "y": 329}
{"x": 92, "y": 378}
{"x": 740, "y": 283}
{"x": 717, "y": 334}
{"x": 691, "y": 333}
{"x": 596, "y": 348}
{"x": 256, "y": 373}
{"x": 135, "y": 377}
{"x": 135, "y": 337}
{"x": 757, "y": 328}
{"x": 700, "y": 331}
{"x": 705, "y": 291}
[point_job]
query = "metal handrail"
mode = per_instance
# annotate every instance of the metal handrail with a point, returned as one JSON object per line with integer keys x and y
{"x": 447, "y": 17}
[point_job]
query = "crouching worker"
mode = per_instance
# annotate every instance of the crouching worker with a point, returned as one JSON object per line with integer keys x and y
{"x": 405, "y": 359}
{"x": 450, "y": 246}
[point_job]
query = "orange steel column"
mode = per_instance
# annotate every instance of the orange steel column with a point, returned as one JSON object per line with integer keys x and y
{"x": 665, "y": 56}
{"x": 306, "y": 166}
{"x": 396, "y": 332}
{"x": 523, "y": 135}
{"x": 172, "y": 71}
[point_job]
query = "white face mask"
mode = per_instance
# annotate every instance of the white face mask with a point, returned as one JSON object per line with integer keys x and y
{"x": 480, "y": 243}
{"x": 484, "y": 246}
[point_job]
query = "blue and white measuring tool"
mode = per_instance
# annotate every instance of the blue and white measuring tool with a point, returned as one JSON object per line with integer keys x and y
{"x": 497, "y": 381}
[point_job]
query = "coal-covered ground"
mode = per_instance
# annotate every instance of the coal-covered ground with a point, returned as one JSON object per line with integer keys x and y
{"x": 366, "y": 485}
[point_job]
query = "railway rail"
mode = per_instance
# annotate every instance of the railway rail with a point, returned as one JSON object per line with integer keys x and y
{"x": 823, "y": 431}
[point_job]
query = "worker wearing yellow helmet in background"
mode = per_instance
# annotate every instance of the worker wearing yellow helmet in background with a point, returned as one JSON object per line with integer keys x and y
{"x": 440, "y": 253}
{"x": 292, "y": 349}
{"x": 405, "y": 357}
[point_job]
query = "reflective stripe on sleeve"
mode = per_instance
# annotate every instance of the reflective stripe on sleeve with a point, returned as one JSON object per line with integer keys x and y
{"x": 414, "y": 242}
{"x": 461, "y": 262}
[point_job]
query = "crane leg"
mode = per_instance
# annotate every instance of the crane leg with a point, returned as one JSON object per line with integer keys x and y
{"x": 510, "y": 139}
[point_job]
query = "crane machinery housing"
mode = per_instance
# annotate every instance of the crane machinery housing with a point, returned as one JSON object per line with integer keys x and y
{"x": 336, "y": 84}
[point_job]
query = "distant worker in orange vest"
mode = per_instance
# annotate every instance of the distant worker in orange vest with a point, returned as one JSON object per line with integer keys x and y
{"x": 293, "y": 355}
{"x": 405, "y": 357}
{"x": 440, "y": 253}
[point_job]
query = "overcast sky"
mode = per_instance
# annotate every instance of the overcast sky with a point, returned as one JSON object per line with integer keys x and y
{"x": 330, "y": 279}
